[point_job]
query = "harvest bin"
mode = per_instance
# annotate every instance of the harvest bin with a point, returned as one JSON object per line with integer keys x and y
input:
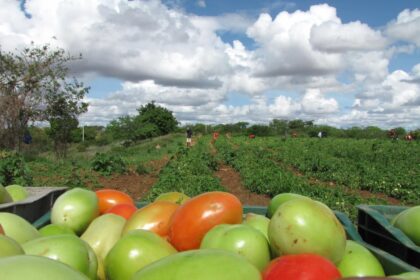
{"x": 375, "y": 228}
{"x": 38, "y": 202}
{"x": 390, "y": 263}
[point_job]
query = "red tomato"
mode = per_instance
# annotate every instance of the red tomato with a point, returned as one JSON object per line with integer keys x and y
{"x": 109, "y": 198}
{"x": 201, "y": 213}
{"x": 154, "y": 217}
{"x": 123, "y": 210}
{"x": 301, "y": 267}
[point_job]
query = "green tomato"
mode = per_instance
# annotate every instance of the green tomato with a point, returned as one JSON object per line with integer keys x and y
{"x": 359, "y": 262}
{"x": 18, "y": 228}
{"x": 9, "y": 247}
{"x": 305, "y": 226}
{"x": 4, "y": 195}
{"x": 17, "y": 192}
{"x": 407, "y": 276}
{"x": 68, "y": 249}
{"x": 53, "y": 229}
{"x": 259, "y": 222}
{"x": 37, "y": 268}
{"x": 279, "y": 199}
{"x": 408, "y": 222}
{"x": 203, "y": 264}
{"x": 241, "y": 239}
{"x": 175, "y": 197}
{"x": 102, "y": 234}
{"x": 133, "y": 251}
{"x": 75, "y": 209}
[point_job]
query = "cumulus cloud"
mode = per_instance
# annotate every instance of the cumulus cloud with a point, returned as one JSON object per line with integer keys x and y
{"x": 285, "y": 47}
{"x": 333, "y": 36}
{"x": 314, "y": 103}
{"x": 406, "y": 27}
{"x": 180, "y": 60}
{"x": 130, "y": 40}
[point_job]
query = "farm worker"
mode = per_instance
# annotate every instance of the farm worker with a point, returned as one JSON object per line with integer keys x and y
{"x": 320, "y": 134}
{"x": 215, "y": 136}
{"x": 189, "y": 136}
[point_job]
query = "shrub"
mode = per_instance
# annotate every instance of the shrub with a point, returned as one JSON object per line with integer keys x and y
{"x": 13, "y": 169}
{"x": 141, "y": 169}
{"x": 108, "y": 164}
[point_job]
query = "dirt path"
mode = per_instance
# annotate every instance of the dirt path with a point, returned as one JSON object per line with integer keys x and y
{"x": 231, "y": 181}
{"x": 133, "y": 184}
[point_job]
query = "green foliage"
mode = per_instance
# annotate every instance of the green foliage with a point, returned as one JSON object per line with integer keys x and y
{"x": 151, "y": 121}
{"x": 261, "y": 174}
{"x": 107, "y": 164}
{"x": 189, "y": 171}
{"x": 161, "y": 117}
{"x": 13, "y": 169}
{"x": 37, "y": 75}
{"x": 141, "y": 169}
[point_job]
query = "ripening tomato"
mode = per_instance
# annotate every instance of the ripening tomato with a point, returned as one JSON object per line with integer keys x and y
{"x": 109, "y": 198}
{"x": 301, "y": 267}
{"x": 124, "y": 210}
{"x": 201, "y": 213}
{"x": 154, "y": 217}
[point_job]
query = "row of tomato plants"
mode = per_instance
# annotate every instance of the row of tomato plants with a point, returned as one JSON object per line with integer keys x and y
{"x": 190, "y": 171}
{"x": 389, "y": 167}
{"x": 261, "y": 174}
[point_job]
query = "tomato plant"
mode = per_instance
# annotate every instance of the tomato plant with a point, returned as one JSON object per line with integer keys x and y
{"x": 301, "y": 267}
{"x": 201, "y": 213}
{"x": 124, "y": 210}
{"x": 109, "y": 198}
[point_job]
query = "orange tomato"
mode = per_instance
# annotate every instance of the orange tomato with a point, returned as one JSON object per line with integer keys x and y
{"x": 109, "y": 198}
{"x": 123, "y": 210}
{"x": 154, "y": 217}
{"x": 201, "y": 213}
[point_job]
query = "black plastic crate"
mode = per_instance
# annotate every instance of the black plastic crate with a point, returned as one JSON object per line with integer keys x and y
{"x": 375, "y": 228}
{"x": 38, "y": 202}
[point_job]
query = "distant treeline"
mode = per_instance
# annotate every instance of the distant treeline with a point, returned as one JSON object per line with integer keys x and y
{"x": 128, "y": 131}
{"x": 301, "y": 128}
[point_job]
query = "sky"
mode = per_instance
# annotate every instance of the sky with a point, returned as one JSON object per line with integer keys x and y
{"x": 339, "y": 63}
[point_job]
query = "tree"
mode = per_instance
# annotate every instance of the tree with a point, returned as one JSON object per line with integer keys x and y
{"x": 62, "y": 112}
{"x": 161, "y": 117}
{"x": 152, "y": 120}
{"x": 279, "y": 127}
{"x": 31, "y": 82}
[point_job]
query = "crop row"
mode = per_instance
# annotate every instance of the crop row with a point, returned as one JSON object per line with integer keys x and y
{"x": 376, "y": 166}
{"x": 261, "y": 174}
{"x": 189, "y": 171}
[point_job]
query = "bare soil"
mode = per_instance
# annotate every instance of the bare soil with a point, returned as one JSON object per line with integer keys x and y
{"x": 231, "y": 181}
{"x": 134, "y": 184}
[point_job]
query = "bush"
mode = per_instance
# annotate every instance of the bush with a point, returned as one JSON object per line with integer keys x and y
{"x": 13, "y": 169}
{"x": 141, "y": 169}
{"x": 82, "y": 147}
{"x": 108, "y": 164}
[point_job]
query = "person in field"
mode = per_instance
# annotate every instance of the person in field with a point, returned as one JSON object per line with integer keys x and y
{"x": 189, "y": 137}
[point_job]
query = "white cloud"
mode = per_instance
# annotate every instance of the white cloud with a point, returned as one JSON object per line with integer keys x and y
{"x": 333, "y": 36}
{"x": 201, "y": 3}
{"x": 285, "y": 47}
{"x": 406, "y": 27}
{"x": 179, "y": 60}
{"x": 314, "y": 103}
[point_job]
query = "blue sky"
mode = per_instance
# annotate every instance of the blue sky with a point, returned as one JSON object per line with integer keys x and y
{"x": 343, "y": 63}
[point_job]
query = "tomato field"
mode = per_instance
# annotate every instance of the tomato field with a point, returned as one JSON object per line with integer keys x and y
{"x": 339, "y": 172}
{"x": 161, "y": 210}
